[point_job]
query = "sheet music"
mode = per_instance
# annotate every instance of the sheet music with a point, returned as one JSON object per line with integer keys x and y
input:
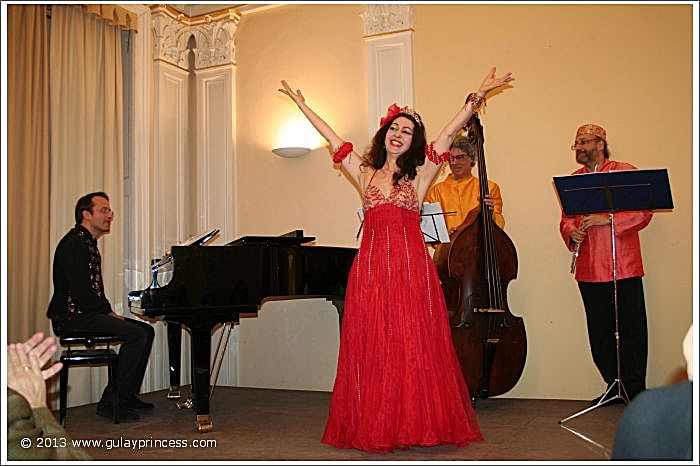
{"x": 432, "y": 223}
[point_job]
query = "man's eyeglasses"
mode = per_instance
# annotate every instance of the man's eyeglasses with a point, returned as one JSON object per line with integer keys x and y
{"x": 458, "y": 157}
{"x": 582, "y": 142}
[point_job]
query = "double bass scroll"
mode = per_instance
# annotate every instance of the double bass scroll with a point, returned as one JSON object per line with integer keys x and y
{"x": 475, "y": 269}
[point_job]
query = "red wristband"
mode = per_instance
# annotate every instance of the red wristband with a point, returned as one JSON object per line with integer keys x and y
{"x": 434, "y": 157}
{"x": 342, "y": 152}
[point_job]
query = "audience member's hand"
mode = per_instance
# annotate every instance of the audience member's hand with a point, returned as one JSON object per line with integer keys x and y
{"x": 24, "y": 367}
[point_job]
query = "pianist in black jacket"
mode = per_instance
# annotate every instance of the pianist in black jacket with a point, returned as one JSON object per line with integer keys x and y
{"x": 79, "y": 305}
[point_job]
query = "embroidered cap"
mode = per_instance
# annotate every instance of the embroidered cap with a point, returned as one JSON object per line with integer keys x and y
{"x": 591, "y": 129}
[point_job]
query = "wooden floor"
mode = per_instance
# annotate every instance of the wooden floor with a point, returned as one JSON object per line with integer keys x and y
{"x": 270, "y": 425}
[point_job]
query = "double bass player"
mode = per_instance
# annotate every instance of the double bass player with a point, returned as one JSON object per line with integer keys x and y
{"x": 475, "y": 268}
{"x": 459, "y": 192}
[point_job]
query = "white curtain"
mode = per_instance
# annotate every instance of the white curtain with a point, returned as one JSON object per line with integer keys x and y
{"x": 29, "y": 275}
{"x": 87, "y": 148}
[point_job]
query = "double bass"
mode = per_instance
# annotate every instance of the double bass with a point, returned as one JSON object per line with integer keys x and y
{"x": 475, "y": 268}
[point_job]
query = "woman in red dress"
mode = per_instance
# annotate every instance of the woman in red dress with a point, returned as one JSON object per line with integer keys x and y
{"x": 398, "y": 381}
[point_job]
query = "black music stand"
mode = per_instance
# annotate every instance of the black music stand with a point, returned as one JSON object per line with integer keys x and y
{"x": 615, "y": 191}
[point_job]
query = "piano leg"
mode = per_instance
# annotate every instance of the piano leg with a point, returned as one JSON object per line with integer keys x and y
{"x": 201, "y": 361}
{"x": 339, "y": 306}
{"x": 174, "y": 348}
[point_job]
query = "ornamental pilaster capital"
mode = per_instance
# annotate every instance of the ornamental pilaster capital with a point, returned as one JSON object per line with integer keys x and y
{"x": 170, "y": 40}
{"x": 386, "y": 18}
{"x": 215, "y": 43}
{"x": 214, "y": 38}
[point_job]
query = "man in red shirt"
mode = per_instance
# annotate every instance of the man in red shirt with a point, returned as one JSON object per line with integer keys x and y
{"x": 594, "y": 272}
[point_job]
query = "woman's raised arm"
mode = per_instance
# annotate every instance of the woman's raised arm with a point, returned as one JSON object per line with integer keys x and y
{"x": 350, "y": 163}
{"x": 448, "y": 133}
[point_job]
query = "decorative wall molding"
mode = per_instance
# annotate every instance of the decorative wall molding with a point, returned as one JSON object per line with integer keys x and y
{"x": 172, "y": 157}
{"x": 215, "y": 95}
{"x": 214, "y": 36}
{"x": 389, "y": 74}
{"x": 383, "y": 19}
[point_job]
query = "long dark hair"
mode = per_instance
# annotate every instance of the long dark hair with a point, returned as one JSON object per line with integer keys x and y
{"x": 409, "y": 160}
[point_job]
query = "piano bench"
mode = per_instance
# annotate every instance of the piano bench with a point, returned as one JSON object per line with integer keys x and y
{"x": 87, "y": 355}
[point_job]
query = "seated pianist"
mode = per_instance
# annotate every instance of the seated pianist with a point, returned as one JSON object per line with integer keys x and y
{"x": 79, "y": 305}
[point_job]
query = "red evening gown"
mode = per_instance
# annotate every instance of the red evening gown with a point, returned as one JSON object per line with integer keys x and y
{"x": 398, "y": 381}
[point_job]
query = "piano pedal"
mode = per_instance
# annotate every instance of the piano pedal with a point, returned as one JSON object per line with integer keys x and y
{"x": 204, "y": 423}
{"x": 174, "y": 393}
{"x": 187, "y": 404}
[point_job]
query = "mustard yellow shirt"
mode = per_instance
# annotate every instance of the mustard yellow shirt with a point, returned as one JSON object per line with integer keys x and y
{"x": 461, "y": 197}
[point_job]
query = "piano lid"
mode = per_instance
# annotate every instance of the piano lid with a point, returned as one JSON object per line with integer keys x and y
{"x": 239, "y": 275}
{"x": 293, "y": 238}
{"x": 200, "y": 239}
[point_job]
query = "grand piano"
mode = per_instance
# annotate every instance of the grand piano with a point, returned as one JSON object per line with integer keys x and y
{"x": 211, "y": 285}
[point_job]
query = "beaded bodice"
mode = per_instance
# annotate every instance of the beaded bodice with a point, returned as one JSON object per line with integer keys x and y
{"x": 402, "y": 195}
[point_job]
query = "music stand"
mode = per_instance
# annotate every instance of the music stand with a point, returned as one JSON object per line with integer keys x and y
{"x": 615, "y": 191}
{"x": 432, "y": 223}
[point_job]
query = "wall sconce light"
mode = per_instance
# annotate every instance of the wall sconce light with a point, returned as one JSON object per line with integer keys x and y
{"x": 291, "y": 152}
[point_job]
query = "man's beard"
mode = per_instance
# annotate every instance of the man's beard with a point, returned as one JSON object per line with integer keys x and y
{"x": 584, "y": 156}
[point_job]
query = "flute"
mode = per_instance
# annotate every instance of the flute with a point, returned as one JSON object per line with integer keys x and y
{"x": 574, "y": 256}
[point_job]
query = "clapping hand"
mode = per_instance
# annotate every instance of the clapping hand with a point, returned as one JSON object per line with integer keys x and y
{"x": 24, "y": 367}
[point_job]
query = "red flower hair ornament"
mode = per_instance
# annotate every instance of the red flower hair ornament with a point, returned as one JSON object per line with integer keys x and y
{"x": 394, "y": 110}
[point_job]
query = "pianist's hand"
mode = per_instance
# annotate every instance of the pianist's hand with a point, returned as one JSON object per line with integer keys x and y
{"x": 114, "y": 314}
